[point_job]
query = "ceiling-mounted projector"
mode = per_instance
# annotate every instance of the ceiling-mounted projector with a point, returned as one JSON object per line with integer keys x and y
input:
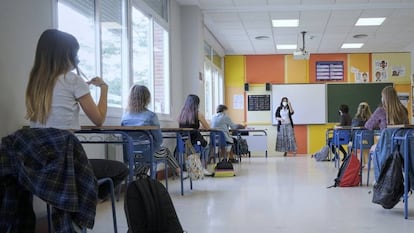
{"x": 301, "y": 54}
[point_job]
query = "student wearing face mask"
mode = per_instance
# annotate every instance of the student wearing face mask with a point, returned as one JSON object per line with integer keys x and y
{"x": 344, "y": 120}
{"x": 285, "y": 141}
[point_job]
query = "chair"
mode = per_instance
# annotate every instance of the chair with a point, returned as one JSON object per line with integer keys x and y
{"x": 328, "y": 138}
{"x": 144, "y": 157}
{"x": 217, "y": 140}
{"x": 363, "y": 139}
{"x": 112, "y": 194}
{"x": 340, "y": 137}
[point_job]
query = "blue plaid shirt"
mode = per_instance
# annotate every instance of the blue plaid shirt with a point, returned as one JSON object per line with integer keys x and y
{"x": 51, "y": 164}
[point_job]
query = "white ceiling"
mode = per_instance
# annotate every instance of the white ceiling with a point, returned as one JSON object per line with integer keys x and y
{"x": 328, "y": 23}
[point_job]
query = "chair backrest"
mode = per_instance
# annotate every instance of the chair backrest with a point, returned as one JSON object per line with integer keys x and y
{"x": 364, "y": 139}
{"x": 341, "y": 136}
{"x": 217, "y": 138}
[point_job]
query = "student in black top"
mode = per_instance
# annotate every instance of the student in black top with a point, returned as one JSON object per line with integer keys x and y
{"x": 344, "y": 120}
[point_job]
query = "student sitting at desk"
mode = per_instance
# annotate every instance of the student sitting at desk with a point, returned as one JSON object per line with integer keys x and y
{"x": 359, "y": 120}
{"x": 223, "y": 122}
{"x": 392, "y": 112}
{"x": 55, "y": 94}
{"x": 137, "y": 114}
{"x": 362, "y": 115}
{"x": 344, "y": 120}
{"x": 191, "y": 117}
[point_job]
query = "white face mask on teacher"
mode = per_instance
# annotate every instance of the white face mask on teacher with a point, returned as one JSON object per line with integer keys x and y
{"x": 284, "y": 103}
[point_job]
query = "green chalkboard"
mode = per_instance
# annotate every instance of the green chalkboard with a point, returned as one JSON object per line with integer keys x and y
{"x": 352, "y": 94}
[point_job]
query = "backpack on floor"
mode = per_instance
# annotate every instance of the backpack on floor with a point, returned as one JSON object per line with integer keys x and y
{"x": 349, "y": 173}
{"x": 240, "y": 146}
{"x": 389, "y": 187}
{"x": 224, "y": 168}
{"x": 149, "y": 209}
{"x": 322, "y": 155}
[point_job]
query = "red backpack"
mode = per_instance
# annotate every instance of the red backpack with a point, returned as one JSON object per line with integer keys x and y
{"x": 349, "y": 173}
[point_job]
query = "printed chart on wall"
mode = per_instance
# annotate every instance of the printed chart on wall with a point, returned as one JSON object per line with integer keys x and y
{"x": 258, "y": 108}
{"x": 307, "y": 100}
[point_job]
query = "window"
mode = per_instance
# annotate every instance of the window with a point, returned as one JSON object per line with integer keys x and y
{"x": 214, "y": 82}
{"x": 151, "y": 59}
{"x": 100, "y": 27}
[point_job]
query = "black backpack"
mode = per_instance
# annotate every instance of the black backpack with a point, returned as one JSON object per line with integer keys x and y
{"x": 390, "y": 184}
{"x": 149, "y": 209}
{"x": 240, "y": 146}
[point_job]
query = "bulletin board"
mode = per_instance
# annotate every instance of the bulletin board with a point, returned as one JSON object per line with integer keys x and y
{"x": 308, "y": 101}
{"x": 258, "y": 102}
{"x": 352, "y": 94}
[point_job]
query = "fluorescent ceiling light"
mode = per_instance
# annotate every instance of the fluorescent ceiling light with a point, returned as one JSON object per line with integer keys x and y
{"x": 351, "y": 45}
{"x": 285, "y": 22}
{"x": 286, "y": 46}
{"x": 370, "y": 21}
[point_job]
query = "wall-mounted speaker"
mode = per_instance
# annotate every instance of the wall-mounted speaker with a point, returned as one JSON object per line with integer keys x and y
{"x": 267, "y": 86}
{"x": 246, "y": 87}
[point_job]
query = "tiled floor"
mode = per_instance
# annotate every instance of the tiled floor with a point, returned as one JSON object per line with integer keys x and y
{"x": 275, "y": 195}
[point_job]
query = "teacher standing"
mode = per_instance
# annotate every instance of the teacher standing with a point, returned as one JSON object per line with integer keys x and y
{"x": 285, "y": 141}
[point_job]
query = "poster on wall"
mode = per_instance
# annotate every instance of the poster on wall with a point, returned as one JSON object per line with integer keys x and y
{"x": 398, "y": 71}
{"x": 329, "y": 70}
{"x": 380, "y": 71}
{"x": 361, "y": 77}
{"x": 238, "y": 101}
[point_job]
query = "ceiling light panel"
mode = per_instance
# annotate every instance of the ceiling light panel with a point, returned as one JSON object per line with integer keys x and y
{"x": 352, "y": 45}
{"x": 285, "y": 22}
{"x": 286, "y": 46}
{"x": 370, "y": 21}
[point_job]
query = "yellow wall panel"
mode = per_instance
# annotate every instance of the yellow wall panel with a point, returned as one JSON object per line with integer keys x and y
{"x": 234, "y": 71}
{"x": 296, "y": 70}
{"x": 358, "y": 62}
{"x": 398, "y": 63}
{"x": 317, "y": 137}
{"x": 237, "y": 115}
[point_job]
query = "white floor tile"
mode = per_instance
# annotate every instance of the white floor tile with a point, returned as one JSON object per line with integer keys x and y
{"x": 285, "y": 195}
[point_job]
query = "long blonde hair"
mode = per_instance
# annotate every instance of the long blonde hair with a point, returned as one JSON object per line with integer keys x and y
{"x": 56, "y": 54}
{"x": 395, "y": 110}
{"x": 363, "y": 111}
{"x": 139, "y": 98}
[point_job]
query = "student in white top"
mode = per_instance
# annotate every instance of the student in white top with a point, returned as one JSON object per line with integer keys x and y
{"x": 54, "y": 94}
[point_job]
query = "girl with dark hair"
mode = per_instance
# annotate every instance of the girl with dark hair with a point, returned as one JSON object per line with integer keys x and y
{"x": 190, "y": 117}
{"x": 285, "y": 140}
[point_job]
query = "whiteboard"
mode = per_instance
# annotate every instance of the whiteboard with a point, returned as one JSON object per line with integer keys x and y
{"x": 307, "y": 100}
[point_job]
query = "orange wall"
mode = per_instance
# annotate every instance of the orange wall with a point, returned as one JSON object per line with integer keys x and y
{"x": 265, "y": 69}
{"x": 301, "y": 132}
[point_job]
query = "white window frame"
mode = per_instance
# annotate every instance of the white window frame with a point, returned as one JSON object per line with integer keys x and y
{"x": 127, "y": 69}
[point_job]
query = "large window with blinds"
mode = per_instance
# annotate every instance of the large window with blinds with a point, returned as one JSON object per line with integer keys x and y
{"x": 124, "y": 42}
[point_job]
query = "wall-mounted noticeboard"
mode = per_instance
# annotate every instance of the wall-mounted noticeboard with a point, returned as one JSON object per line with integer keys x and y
{"x": 258, "y": 102}
{"x": 329, "y": 70}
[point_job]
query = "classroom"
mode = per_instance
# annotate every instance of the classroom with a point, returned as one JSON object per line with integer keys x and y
{"x": 236, "y": 53}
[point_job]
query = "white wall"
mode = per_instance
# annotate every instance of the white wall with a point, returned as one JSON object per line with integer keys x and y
{"x": 21, "y": 23}
{"x": 192, "y": 42}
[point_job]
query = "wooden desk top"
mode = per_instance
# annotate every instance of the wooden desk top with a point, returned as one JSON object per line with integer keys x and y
{"x": 172, "y": 130}
{"x": 119, "y": 128}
